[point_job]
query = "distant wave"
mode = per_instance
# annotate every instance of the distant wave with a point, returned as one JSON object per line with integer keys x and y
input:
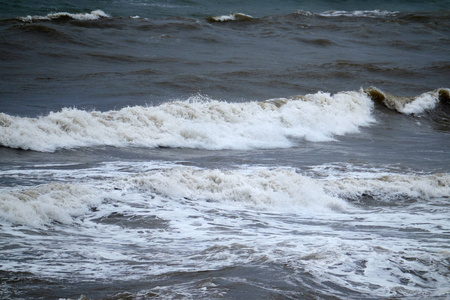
{"x": 196, "y": 123}
{"x": 436, "y": 16}
{"x": 358, "y": 13}
{"x": 376, "y": 13}
{"x": 236, "y": 17}
{"x": 420, "y": 16}
{"x": 230, "y": 17}
{"x": 93, "y": 15}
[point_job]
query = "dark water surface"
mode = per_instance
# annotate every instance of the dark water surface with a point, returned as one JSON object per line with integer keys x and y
{"x": 139, "y": 57}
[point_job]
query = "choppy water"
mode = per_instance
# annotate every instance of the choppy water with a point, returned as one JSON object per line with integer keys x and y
{"x": 183, "y": 150}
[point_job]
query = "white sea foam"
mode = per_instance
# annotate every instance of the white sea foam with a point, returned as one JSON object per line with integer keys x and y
{"x": 196, "y": 123}
{"x": 93, "y": 15}
{"x": 261, "y": 188}
{"x": 213, "y": 219}
{"x": 282, "y": 190}
{"x": 42, "y": 204}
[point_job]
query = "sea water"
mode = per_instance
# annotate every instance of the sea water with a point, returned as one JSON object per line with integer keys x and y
{"x": 224, "y": 150}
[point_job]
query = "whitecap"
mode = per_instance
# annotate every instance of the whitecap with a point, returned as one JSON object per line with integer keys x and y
{"x": 93, "y": 15}
{"x": 230, "y": 17}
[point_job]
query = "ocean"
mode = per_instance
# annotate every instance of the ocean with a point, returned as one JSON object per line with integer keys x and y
{"x": 184, "y": 149}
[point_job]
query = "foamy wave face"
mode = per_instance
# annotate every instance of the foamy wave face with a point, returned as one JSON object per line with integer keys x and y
{"x": 42, "y": 204}
{"x": 262, "y": 188}
{"x": 93, "y": 15}
{"x": 196, "y": 123}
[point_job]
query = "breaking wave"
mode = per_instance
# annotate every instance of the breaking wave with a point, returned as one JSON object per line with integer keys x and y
{"x": 203, "y": 123}
{"x": 196, "y": 123}
{"x": 260, "y": 188}
{"x": 283, "y": 189}
{"x": 256, "y": 188}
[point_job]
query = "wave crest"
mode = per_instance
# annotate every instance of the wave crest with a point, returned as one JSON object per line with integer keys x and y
{"x": 410, "y": 105}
